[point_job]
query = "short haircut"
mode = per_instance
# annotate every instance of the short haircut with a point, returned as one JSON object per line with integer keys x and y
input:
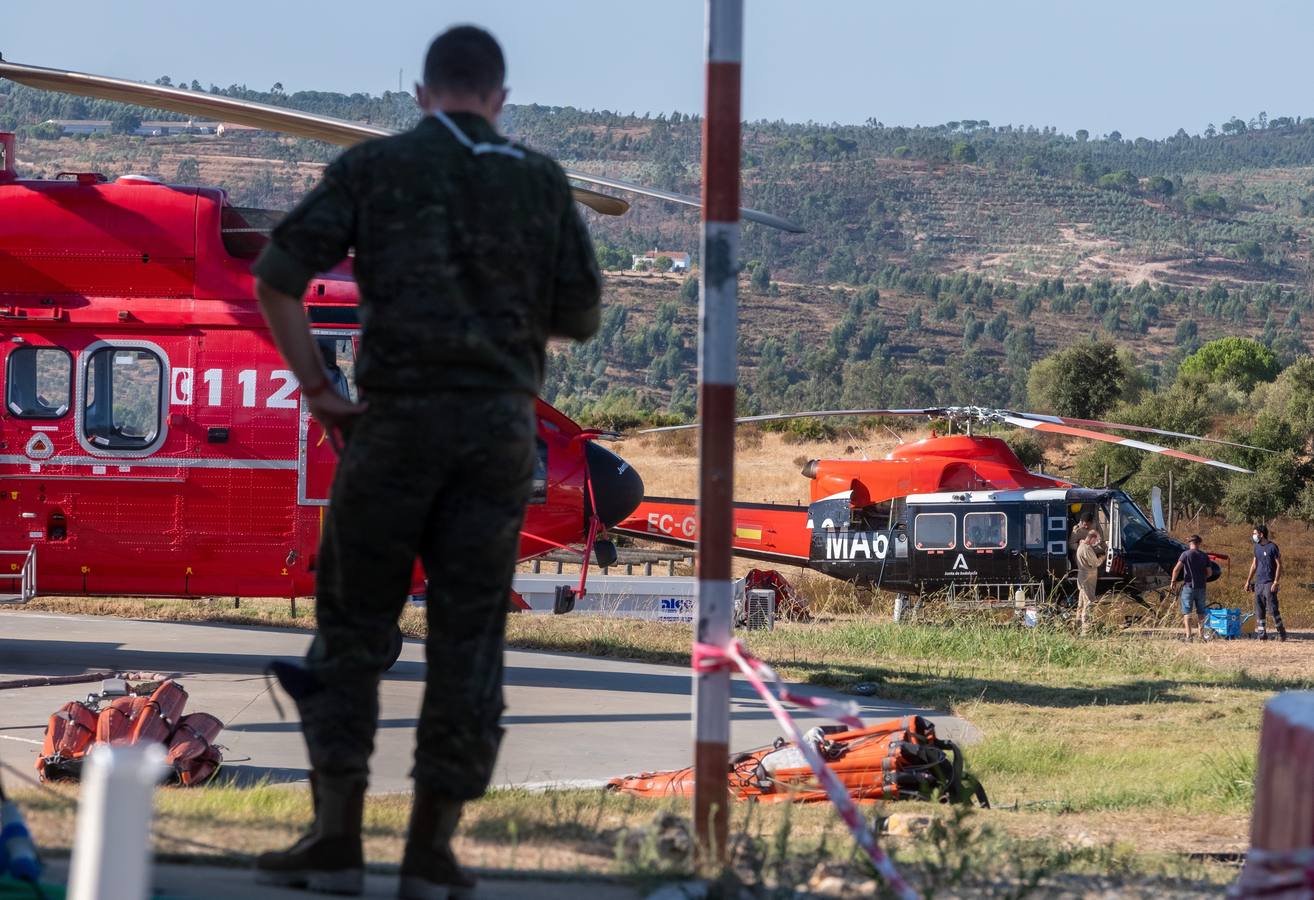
{"x": 1087, "y": 517}
{"x": 1262, "y": 529}
{"x": 465, "y": 60}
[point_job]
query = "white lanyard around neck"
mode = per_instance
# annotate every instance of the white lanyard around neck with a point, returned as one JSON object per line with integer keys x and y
{"x": 478, "y": 149}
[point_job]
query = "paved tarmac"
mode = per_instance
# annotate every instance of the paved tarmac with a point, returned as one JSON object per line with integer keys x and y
{"x": 570, "y": 720}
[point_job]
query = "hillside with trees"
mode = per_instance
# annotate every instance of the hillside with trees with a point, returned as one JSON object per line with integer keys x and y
{"x": 940, "y": 264}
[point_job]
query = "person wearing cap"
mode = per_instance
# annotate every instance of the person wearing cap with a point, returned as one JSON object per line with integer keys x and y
{"x": 1265, "y": 570}
{"x": 1193, "y": 570}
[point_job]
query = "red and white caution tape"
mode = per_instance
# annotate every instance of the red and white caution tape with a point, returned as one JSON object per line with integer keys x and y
{"x": 709, "y": 658}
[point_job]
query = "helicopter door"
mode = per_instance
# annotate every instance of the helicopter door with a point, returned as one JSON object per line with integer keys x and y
{"x": 1056, "y": 541}
{"x": 936, "y": 549}
{"x": 316, "y": 458}
{"x": 1114, "y": 563}
{"x": 986, "y": 545}
{"x": 1035, "y": 561}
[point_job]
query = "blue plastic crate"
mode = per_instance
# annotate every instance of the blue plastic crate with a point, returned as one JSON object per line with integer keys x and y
{"x": 1226, "y": 622}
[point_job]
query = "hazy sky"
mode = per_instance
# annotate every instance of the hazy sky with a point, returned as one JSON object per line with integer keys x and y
{"x": 1142, "y": 68}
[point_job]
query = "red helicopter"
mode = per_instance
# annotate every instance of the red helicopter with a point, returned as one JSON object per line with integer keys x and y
{"x": 958, "y": 514}
{"x": 152, "y": 443}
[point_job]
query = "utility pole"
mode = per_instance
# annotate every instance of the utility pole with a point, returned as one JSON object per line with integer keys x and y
{"x": 717, "y": 374}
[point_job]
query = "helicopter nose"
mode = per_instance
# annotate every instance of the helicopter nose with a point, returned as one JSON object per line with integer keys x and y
{"x": 617, "y": 488}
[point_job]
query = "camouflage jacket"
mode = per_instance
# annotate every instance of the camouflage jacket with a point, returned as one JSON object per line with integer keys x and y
{"x": 467, "y": 260}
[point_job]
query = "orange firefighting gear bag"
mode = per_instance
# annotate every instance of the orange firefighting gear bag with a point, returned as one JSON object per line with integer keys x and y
{"x": 896, "y": 760}
{"x": 134, "y": 717}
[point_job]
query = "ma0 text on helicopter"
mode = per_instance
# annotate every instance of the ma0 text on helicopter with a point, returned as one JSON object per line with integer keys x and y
{"x": 958, "y": 514}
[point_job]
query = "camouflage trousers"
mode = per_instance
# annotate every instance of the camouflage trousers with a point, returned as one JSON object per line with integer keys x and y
{"x": 442, "y": 478}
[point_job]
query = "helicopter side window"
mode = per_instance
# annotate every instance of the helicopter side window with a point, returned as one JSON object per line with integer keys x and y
{"x": 539, "y": 494}
{"x": 985, "y": 531}
{"x": 125, "y": 395}
{"x": 935, "y": 531}
{"x": 339, "y": 363}
{"x": 39, "y": 382}
{"x": 1034, "y": 530}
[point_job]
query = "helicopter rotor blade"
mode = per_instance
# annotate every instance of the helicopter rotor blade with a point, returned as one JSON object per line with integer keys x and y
{"x": 1061, "y": 428}
{"x": 752, "y": 215}
{"x": 194, "y": 103}
{"x": 600, "y": 203}
{"x": 1093, "y": 423}
{"x": 309, "y": 125}
{"x": 817, "y": 414}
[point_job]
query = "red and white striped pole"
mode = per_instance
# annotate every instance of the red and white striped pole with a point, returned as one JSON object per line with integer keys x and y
{"x": 717, "y": 373}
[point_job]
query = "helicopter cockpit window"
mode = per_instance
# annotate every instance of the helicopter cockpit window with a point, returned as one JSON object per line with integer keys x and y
{"x": 124, "y": 398}
{"x": 985, "y": 531}
{"x": 539, "y": 494}
{"x": 935, "y": 531}
{"x": 1134, "y": 524}
{"x": 39, "y": 382}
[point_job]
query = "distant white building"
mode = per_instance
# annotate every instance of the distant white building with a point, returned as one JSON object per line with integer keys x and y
{"x": 147, "y": 129}
{"x": 679, "y": 261}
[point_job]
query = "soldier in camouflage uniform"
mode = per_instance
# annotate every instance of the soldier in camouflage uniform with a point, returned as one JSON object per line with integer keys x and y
{"x": 469, "y": 253}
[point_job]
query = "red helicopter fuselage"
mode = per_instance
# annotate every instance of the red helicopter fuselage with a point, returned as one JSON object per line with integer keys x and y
{"x": 153, "y": 441}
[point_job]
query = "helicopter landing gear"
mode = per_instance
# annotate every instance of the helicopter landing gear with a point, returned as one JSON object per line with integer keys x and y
{"x": 900, "y": 607}
{"x": 604, "y": 553}
{"x": 564, "y": 600}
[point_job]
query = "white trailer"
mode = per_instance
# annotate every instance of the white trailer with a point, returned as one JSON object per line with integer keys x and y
{"x": 661, "y": 598}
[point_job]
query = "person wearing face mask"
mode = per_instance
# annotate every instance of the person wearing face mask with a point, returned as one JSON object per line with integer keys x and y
{"x": 1265, "y": 572}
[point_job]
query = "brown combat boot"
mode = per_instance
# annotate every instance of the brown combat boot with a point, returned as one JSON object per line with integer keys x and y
{"x": 429, "y": 870}
{"x": 329, "y": 858}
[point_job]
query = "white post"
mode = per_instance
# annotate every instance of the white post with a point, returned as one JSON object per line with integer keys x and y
{"x": 112, "y": 849}
{"x": 717, "y": 376}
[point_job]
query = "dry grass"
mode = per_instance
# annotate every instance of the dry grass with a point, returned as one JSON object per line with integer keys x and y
{"x": 766, "y": 464}
{"x": 595, "y": 833}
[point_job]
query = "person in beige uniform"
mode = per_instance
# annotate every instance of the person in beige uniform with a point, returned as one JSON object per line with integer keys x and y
{"x": 1090, "y": 558}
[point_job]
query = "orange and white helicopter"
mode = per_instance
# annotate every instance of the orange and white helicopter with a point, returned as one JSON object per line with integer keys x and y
{"x": 152, "y": 441}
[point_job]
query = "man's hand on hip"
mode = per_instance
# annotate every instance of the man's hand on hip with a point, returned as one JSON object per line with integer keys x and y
{"x": 336, "y": 413}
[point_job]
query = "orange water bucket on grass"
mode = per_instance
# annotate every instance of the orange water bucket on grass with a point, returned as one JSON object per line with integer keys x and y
{"x": 893, "y": 760}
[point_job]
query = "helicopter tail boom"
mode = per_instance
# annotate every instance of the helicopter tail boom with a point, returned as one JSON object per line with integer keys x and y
{"x": 765, "y": 531}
